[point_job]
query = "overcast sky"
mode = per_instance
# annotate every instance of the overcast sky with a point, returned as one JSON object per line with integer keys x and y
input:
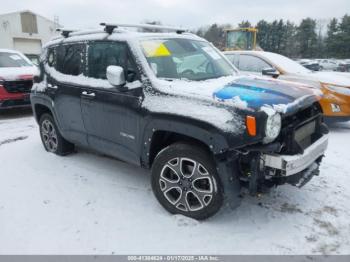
{"x": 185, "y": 13}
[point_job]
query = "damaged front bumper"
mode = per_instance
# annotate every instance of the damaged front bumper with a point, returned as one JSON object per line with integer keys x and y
{"x": 260, "y": 170}
{"x": 291, "y": 165}
{"x": 297, "y": 169}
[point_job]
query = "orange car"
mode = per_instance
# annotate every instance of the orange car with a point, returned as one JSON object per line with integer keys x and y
{"x": 334, "y": 85}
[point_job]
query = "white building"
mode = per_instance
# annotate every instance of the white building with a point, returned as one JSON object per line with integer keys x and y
{"x": 25, "y": 31}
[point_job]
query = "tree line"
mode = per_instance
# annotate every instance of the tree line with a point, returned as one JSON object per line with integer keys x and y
{"x": 310, "y": 38}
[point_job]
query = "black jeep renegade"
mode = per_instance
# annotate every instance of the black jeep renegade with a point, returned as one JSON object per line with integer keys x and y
{"x": 172, "y": 103}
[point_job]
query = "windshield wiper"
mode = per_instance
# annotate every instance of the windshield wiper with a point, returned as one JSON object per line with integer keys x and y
{"x": 166, "y": 79}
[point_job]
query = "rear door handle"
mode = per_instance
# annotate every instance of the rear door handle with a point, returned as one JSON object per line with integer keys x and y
{"x": 51, "y": 86}
{"x": 87, "y": 94}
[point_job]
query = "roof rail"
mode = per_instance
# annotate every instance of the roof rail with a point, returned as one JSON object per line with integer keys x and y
{"x": 65, "y": 32}
{"x": 110, "y": 27}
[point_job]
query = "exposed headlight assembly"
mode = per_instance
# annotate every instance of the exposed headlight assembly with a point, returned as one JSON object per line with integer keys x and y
{"x": 273, "y": 127}
{"x": 339, "y": 89}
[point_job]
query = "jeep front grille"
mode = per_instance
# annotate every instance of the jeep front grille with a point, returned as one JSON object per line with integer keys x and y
{"x": 301, "y": 130}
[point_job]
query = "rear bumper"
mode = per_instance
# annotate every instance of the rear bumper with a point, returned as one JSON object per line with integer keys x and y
{"x": 291, "y": 165}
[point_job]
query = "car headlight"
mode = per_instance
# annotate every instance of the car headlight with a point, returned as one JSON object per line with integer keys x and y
{"x": 273, "y": 127}
{"x": 339, "y": 89}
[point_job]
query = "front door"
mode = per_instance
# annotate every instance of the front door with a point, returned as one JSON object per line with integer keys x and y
{"x": 112, "y": 115}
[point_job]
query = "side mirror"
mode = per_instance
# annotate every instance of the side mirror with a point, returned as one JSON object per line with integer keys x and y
{"x": 271, "y": 72}
{"x": 115, "y": 75}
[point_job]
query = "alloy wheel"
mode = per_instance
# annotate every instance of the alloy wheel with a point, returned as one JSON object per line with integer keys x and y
{"x": 49, "y": 135}
{"x": 187, "y": 184}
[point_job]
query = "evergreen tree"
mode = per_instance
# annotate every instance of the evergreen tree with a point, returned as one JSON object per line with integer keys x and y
{"x": 290, "y": 41}
{"x": 244, "y": 24}
{"x": 331, "y": 39}
{"x": 263, "y": 36}
{"x": 216, "y": 35}
{"x": 307, "y": 38}
{"x": 343, "y": 38}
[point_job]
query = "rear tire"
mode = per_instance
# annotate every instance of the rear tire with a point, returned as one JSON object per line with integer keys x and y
{"x": 51, "y": 137}
{"x": 185, "y": 181}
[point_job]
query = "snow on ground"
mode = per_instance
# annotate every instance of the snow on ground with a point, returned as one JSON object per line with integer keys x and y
{"x": 86, "y": 203}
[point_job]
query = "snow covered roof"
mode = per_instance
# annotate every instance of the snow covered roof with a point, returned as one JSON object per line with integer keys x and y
{"x": 118, "y": 34}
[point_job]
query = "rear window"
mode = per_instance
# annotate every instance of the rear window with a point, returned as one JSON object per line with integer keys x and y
{"x": 12, "y": 60}
{"x": 68, "y": 59}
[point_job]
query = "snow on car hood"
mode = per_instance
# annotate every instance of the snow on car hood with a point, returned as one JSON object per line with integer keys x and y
{"x": 241, "y": 91}
{"x": 259, "y": 92}
{"x": 12, "y": 73}
{"x": 212, "y": 100}
{"x": 334, "y": 78}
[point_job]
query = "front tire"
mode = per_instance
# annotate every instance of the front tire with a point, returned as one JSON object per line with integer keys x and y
{"x": 185, "y": 181}
{"x": 51, "y": 137}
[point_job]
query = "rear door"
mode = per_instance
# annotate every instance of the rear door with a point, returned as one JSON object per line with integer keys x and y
{"x": 112, "y": 115}
{"x": 65, "y": 69}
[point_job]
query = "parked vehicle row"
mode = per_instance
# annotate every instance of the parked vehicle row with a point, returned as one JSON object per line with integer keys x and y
{"x": 344, "y": 66}
{"x": 313, "y": 65}
{"x": 340, "y": 65}
{"x": 172, "y": 103}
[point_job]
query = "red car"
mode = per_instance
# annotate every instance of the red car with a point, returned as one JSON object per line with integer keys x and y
{"x": 16, "y": 79}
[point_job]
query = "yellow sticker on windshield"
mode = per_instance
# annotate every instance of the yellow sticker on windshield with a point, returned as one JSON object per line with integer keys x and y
{"x": 155, "y": 49}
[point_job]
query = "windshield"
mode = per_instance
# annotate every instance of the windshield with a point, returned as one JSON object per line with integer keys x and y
{"x": 185, "y": 59}
{"x": 12, "y": 60}
{"x": 286, "y": 64}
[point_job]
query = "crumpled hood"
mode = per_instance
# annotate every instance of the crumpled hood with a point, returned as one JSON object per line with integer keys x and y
{"x": 243, "y": 92}
{"x": 334, "y": 78}
{"x": 259, "y": 92}
{"x": 12, "y": 73}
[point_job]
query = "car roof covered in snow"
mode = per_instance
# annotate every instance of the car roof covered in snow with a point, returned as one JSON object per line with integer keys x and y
{"x": 118, "y": 34}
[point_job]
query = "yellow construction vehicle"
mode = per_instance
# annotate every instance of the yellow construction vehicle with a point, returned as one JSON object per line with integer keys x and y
{"x": 241, "y": 39}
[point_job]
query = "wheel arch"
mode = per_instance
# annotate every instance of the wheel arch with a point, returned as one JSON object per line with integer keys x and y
{"x": 159, "y": 134}
{"x": 39, "y": 110}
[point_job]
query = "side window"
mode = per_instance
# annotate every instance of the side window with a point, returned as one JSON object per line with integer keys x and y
{"x": 103, "y": 54}
{"x": 252, "y": 64}
{"x": 51, "y": 57}
{"x": 69, "y": 59}
{"x": 233, "y": 59}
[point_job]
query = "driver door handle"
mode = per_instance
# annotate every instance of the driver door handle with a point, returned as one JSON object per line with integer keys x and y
{"x": 52, "y": 86}
{"x": 87, "y": 94}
